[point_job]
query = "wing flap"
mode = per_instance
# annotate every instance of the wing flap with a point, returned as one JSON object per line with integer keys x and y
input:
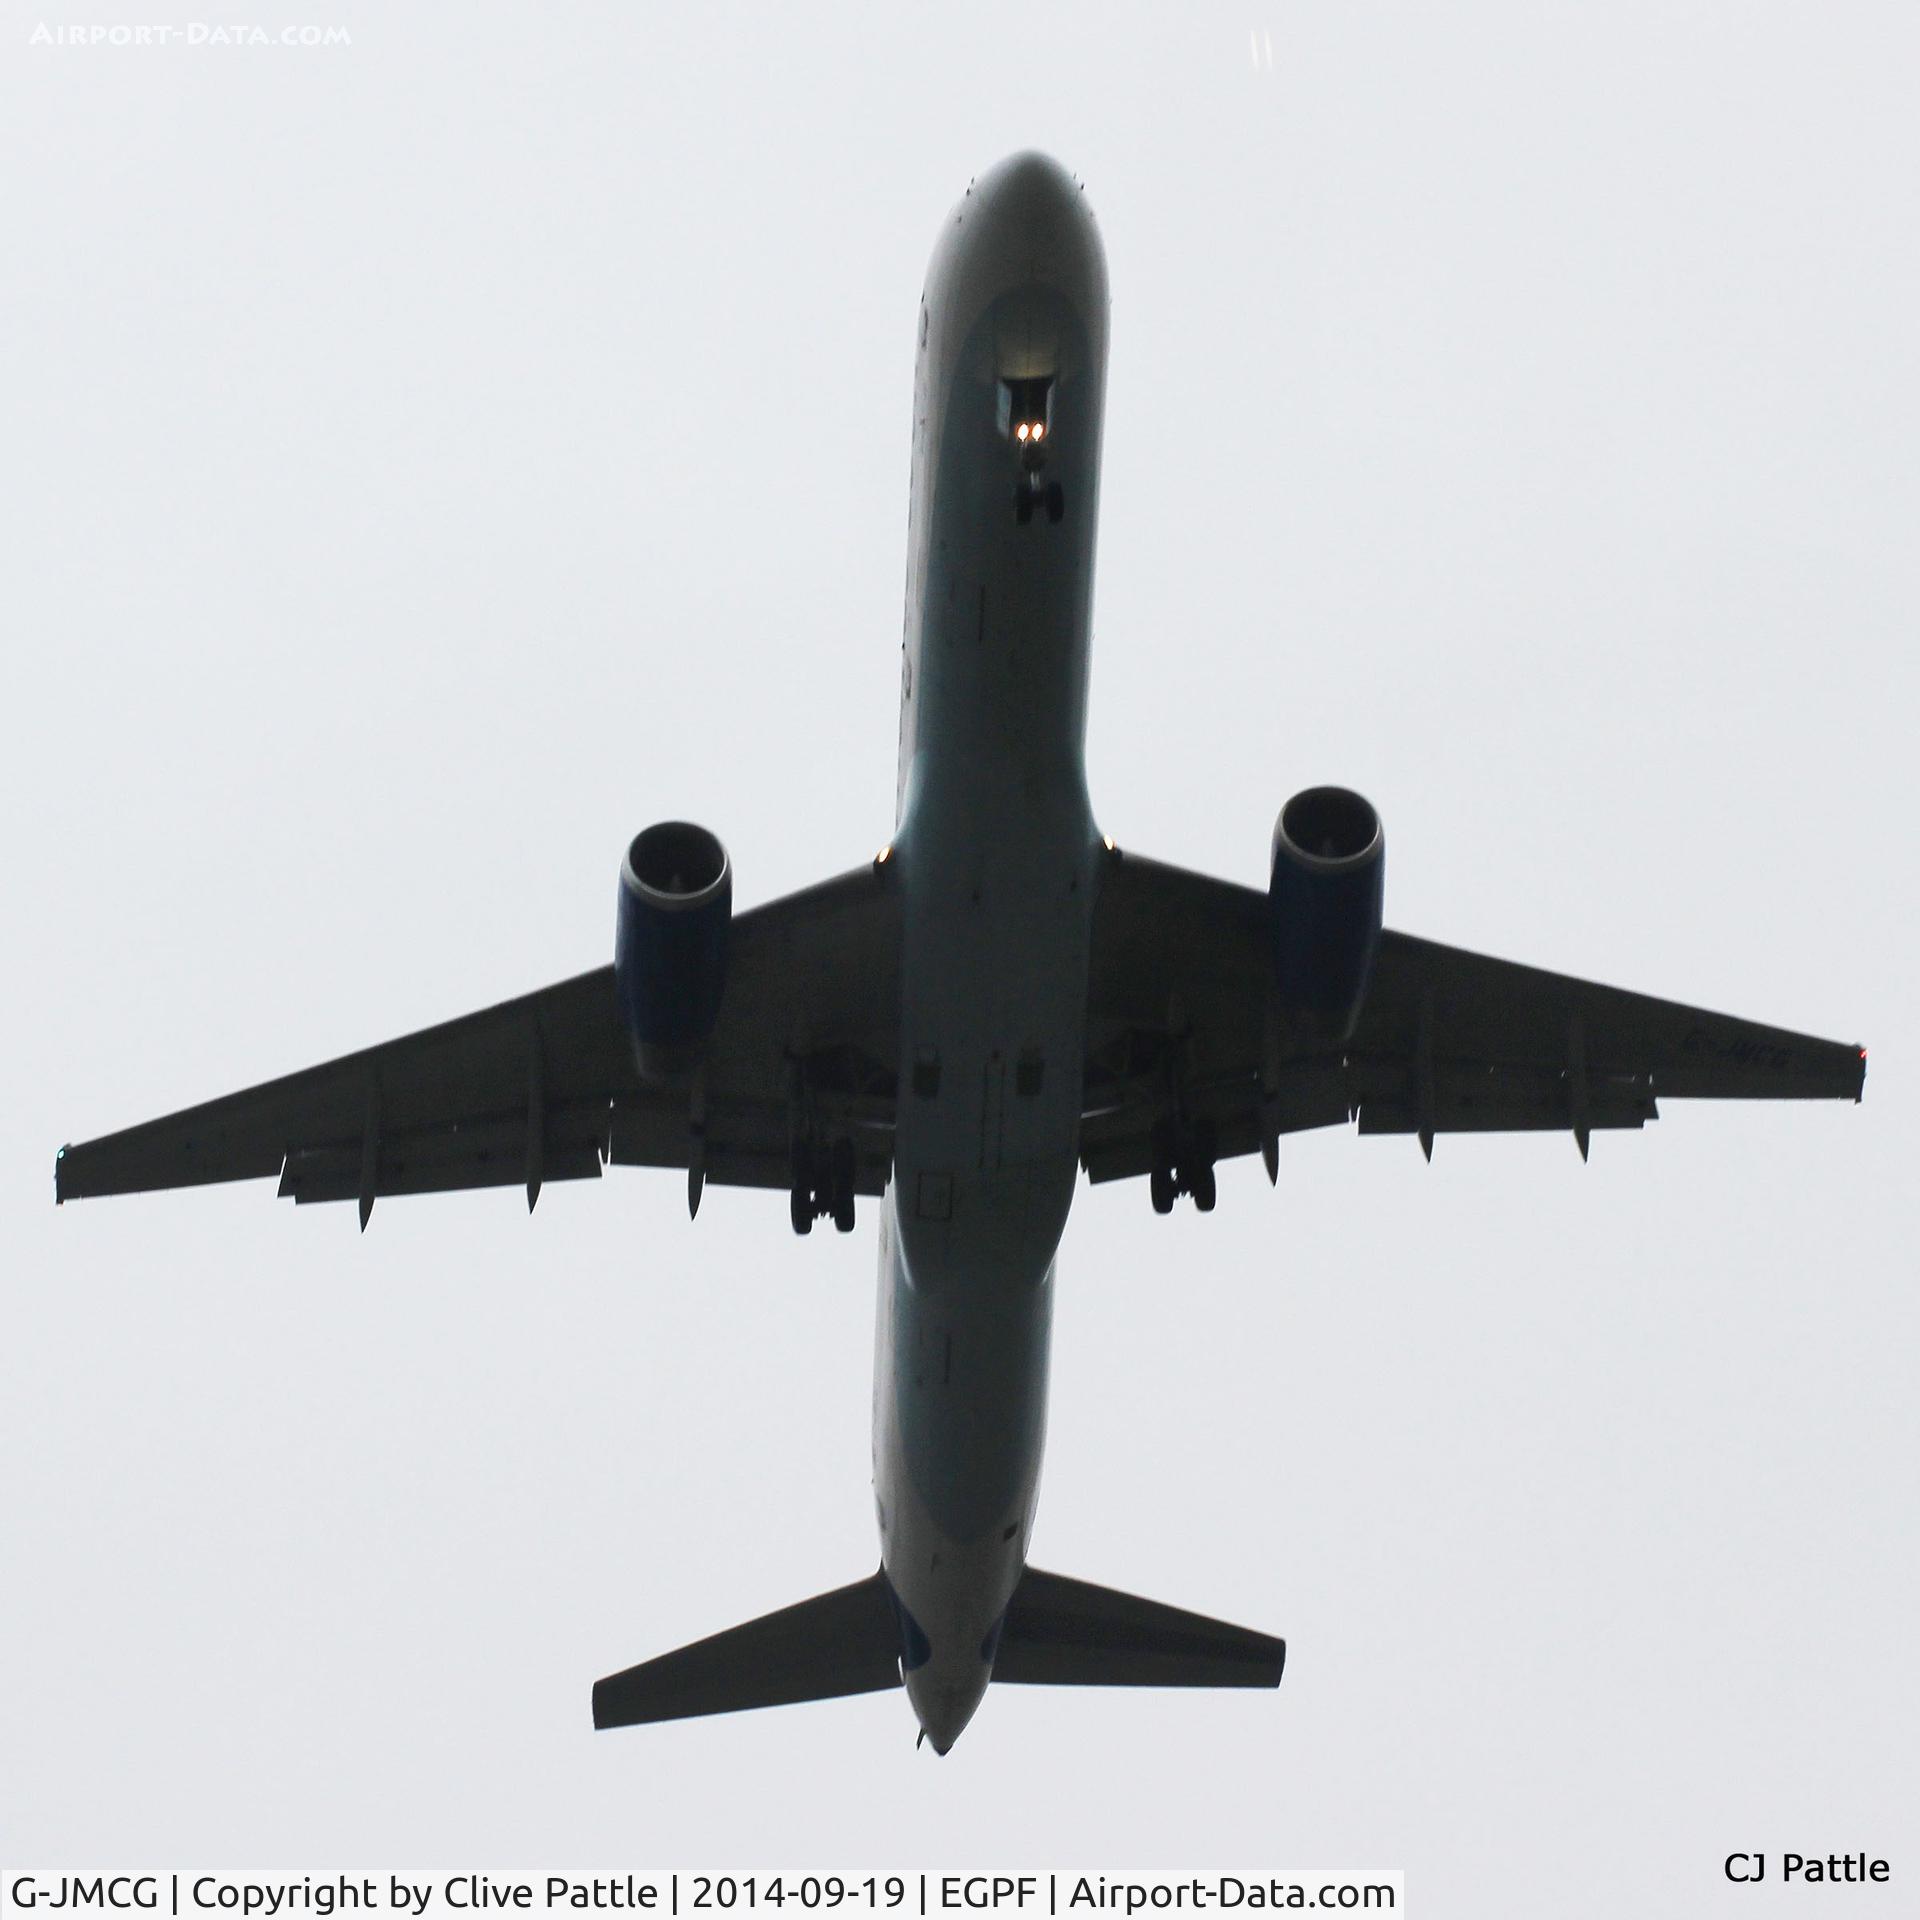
{"x": 1116, "y": 1139}
{"x": 745, "y": 1143}
{"x": 1548, "y": 1111}
{"x": 470, "y": 1158}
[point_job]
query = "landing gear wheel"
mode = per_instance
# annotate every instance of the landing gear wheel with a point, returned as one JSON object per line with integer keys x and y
{"x": 1160, "y": 1185}
{"x": 843, "y": 1175}
{"x": 1056, "y": 502}
{"x": 800, "y": 1188}
{"x": 1200, "y": 1184}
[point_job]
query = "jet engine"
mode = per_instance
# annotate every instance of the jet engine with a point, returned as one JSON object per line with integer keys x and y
{"x": 670, "y": 943}
{"x": 1324, "y": 893}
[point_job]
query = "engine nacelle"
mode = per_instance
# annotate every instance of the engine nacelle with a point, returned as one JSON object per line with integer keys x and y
{"x": 1325, "y": 890}
{"x": 670, "y": 943}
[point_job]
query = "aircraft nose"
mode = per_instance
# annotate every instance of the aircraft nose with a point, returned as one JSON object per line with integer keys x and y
{"x": 1025, "y": 223}
{"x": 1028, "y": 189}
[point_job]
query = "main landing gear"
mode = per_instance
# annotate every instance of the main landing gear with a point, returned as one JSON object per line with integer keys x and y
{"x": 822, "y": 1184}
{"x": 1182, "y": 1163}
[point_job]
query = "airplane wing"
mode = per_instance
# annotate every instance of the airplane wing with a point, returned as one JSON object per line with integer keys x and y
{"x": 1184, "y": 1023}
{"x": 545, "y": 1088}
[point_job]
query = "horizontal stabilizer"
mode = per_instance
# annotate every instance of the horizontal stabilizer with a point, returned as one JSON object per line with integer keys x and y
{"x": 847, "y": 1641}
{"x": 1070, "y": 1633}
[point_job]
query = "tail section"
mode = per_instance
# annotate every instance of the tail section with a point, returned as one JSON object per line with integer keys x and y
{"x": 1056, "y": 1632}
{"x": 846, "y": 1641}
{"x": 1070, "y": 1633}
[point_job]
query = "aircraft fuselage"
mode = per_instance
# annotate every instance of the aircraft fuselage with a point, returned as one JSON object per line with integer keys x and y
{"x": 998, "y": 855}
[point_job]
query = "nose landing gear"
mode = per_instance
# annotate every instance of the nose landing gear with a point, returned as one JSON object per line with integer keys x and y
{"x": 1026, "y": 418}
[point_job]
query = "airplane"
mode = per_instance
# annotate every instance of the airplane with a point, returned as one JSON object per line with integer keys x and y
{"x": 1000, "y": 1001}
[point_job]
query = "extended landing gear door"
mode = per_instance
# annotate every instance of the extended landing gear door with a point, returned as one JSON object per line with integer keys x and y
{"x": 1026, "y": 410}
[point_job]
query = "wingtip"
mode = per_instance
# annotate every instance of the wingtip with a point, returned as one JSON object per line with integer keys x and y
{"x": 59, "y": 1169}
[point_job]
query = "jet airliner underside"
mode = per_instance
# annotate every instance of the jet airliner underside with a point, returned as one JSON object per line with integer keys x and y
{"x": 1001, "y": 1001}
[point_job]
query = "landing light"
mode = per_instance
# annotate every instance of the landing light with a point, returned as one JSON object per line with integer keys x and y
{"x": 1039, "y": 429}
{"x": 1021, "y": 430}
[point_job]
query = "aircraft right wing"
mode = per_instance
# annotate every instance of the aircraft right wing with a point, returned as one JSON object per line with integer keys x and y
{"x": 1185, "y": 1028}
{"x": 544, "y": 1087}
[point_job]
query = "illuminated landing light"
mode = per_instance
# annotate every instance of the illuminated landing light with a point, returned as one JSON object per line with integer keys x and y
{"x": 1106, "y": 840}
{"x": 1021, "y": 430}
{"x": 881, "y": 858}
{"x": 1039, "y": 429}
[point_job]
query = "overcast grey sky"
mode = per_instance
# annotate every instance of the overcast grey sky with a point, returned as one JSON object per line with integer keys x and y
{"x": 429, "y": 460}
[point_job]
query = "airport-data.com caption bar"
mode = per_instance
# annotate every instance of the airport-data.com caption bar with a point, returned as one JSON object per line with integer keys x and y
{"x": 445, "y": 1896}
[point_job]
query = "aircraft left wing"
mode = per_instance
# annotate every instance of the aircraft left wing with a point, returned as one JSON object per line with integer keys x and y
{"x": 544, "y": 1087}
{"x": 1185, "y": 1028}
